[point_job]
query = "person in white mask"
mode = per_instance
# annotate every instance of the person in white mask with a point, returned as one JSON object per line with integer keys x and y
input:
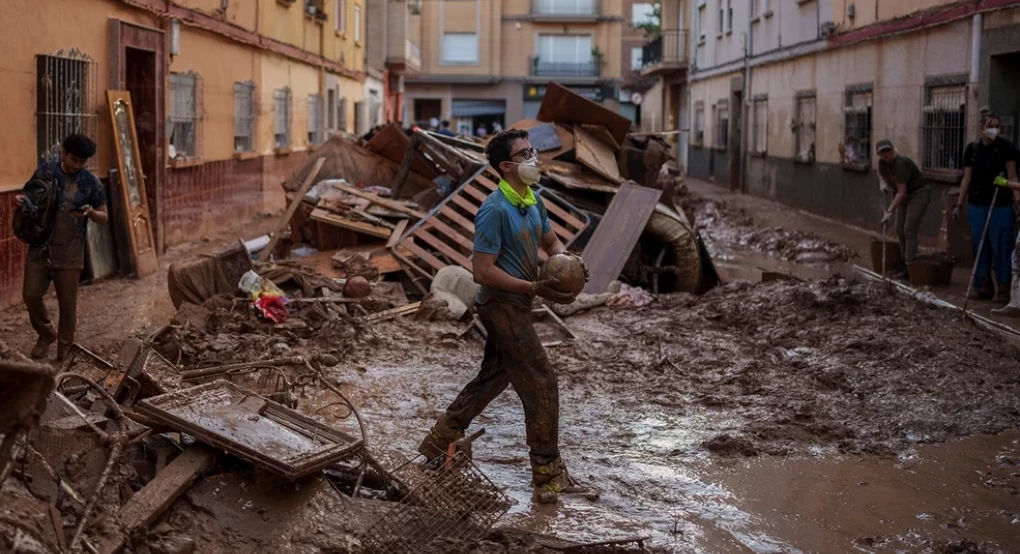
{"x": 511, "y": 226}
{"x": 984, "y": 161}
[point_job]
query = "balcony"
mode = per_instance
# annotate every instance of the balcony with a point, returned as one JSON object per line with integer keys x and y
{"x": 666, "y": 53}
{"x": 541, "y": 68}
{"x": 566, "y": 10}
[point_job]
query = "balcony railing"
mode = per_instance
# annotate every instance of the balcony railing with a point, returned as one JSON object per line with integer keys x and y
{"x": 669, "y": 48}
{"x": 541, "y": 68}
{"x": 566, "y": 8}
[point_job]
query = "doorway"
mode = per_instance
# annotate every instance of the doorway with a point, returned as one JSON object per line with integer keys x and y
{"x": 426, "y": 109}
{"x": 139, "y": 68}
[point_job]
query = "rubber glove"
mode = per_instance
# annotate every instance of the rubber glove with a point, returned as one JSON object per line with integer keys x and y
{"x": 883, "y": 186}
{"x": 886, "y": 217}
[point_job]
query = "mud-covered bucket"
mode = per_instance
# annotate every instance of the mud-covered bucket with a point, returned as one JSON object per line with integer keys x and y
{"x": 923, "y": 272}
{"x": 893, "y": 258}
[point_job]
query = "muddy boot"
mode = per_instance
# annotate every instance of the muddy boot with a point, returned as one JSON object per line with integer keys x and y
{"x": 62, "y": 351}
{"x": 41, "y": 348}
{"x": 552, "y": 480}
{"x": 437, "y": 441}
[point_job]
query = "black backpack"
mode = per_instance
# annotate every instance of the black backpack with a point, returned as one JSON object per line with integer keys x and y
{"x": 33, "y": 222}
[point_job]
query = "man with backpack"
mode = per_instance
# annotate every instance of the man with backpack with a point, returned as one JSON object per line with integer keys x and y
{"x": 55, "y": 232}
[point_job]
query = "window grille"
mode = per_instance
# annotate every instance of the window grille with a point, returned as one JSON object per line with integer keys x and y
{"x": 722, "y": 124}
{"x": 944, "y": 126}
{"x": 857, "y": 125}
{"x": 185, "y": 103}
{"x": 314, "y": 119}
{"x": 342, "y": 115}
{"x": 759, "y": 124}
{"x": 281, "y": 118}
{"x": 804, "y": 127}
{"x": 699, "y": 123}
{"x": 66, "y": 88}
{"x": 244, "y": 117}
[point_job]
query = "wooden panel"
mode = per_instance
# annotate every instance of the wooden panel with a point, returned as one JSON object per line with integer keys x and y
{"x": 449, "y": 231}
{"x": 464, "y": 203}
{"x": 292, "y": 208}
{"x": 323, "y": 216}
{"x": 391, "y": 143}
{"x": 477, "y": 194}
{"x": 441, "y": 246}
{"x": 492, "y": 186}
{"x": 559, "y": 212}
{"x": 617, "y": 233}
{"x": 457, "y": 218}
{"x": 563, "y": 105}
{"x": 433, "y": 261}
{"x": 134, "y": 199}
{"x": 597, "y": 155}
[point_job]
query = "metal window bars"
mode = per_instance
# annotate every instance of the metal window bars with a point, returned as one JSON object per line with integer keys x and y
{"x": 244, "y": 116}
{"x": 699, "y": 123}
{"x": 944, "y": 127}
{"x": 722, "y": 124}
{"x": 759, "y": 123}
{"x": 456, "y": 502}
{"x": 65, "y": 100}
{"x": 185, "y": 103}
{"x": 281, "y": 118}
{"x": 857, "y": 126}
{"x": 805, "y": 127}
{"x": 314, "y": 119}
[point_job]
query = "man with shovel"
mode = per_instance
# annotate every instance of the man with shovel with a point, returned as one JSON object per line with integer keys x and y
{"x": 912, "y": 197}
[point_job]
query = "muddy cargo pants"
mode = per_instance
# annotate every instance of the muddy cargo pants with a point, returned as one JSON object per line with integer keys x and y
{"x": 38, "y": 276}
{"x": 908, "y": 221}
{"x": 514, "y": 356}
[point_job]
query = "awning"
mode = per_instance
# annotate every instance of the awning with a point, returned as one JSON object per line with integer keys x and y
{"x": 472, "y": 108}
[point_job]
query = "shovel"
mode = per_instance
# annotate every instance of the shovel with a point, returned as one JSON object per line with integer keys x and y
{"x": 981, "y": 246}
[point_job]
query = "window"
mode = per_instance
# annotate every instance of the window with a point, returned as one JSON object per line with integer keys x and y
{"x": 315, "y": 9}
{"x": 722, "y": 124}
{"x": 184, "y": 101}
{"x": 564, "y": 55}
{"x": 857, "y": 125}
{"x": 643, "y": 13}
{"x": 460, "y": 48}
{"x": 728, "y": 4}
{"x": 340, "y": 17}
{"x": 574, "y": 7}
{"x": 699, "y": 123}
{"x": 357, "y": 23}
{"x": 65, "y": 101}
{"x": 759, "y": 124}
{"x": 281, "y": 118}
{"x": 636, "y": 57}
{"x": 331, "y": 108}
{"x": 244, "y": 117}
{"x": 722, "y": 17}
{"x": 699, "y": 23}
{"x": 341, "y": 115}
{"x": 314, "y": 119}
{"x": 804, "y": 127}
{"x": 944, "y": 126}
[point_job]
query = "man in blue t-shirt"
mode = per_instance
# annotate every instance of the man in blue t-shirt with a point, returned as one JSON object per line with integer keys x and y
{"x": 510, "y": 228}
{"x": 61, "y": 260}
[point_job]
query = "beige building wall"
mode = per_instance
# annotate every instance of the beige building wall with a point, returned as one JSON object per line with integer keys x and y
{"x": 867, "y": 12}
{"x": 710, "y": 92}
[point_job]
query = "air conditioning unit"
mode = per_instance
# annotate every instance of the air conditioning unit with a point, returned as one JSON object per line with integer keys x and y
{"x": 414, "y": 6}
{"x": 825, "y": 30}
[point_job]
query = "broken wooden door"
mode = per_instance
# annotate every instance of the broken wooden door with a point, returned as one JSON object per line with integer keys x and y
{"x": 132, "y": 190}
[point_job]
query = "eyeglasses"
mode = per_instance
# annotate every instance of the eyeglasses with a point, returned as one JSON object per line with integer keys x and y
{"x": 528, "y": 153}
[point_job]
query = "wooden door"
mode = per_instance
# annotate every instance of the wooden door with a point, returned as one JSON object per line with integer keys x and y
{"x": 133, "y": 199}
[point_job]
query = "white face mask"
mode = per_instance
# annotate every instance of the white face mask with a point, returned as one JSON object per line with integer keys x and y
{"x": 529, "y": 172}
{"x": 991, "y": 132}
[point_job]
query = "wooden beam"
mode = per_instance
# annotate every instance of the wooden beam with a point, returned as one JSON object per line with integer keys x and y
{"x": 376, "y": 199}
{"x": 323, "y": 216}
{"x": 405, "y": 167}
{"x": 285, "y": 220}
{"x": 156, "y": 497}
{"x": 397, "y": 233}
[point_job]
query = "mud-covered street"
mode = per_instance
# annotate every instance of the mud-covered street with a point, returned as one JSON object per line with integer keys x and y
{"x": 787, "y": 416}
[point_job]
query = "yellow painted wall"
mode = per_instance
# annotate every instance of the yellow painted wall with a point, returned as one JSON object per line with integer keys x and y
{"x": 232, "y": 63}
{"x": 279, "y": 72}
{"x": 290, "y": 24}
{"x": 241, "y": 13}
{"x": 32, "y": 27}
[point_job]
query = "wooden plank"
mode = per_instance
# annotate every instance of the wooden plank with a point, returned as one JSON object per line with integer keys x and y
{"x": 563, "y": 105}
{"x": 376, "y": 199}
{"x": 159, "y": 494}
{"x": 433, "y": 261}
{"x": 441, "y": 246}
{"x": 397, "y": 233}
{"x": 450, "y": 232}
{"x": 298, "y": 198}
{"x": 559, "y": 230}
{"x": 324, "y": 216}
{"x": 559, "y": 212}
{"x": 458, "y": 219}
{"x": 596, "y": 155}
{"x": 600, "y": 132}
{"x": 576, "y": 181}
{"x": 617, "y": 233}
{"x": 395, "y": 312}
{"x": 474, "y": 192}
{"x": 544, "y": 137}
{"x": 463, "y": 203}
{"x": 487, "y": 183}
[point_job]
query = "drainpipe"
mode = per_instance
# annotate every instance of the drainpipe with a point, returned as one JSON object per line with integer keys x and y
{"x": 745, "y": 135}
{"x": 977, "y": 25}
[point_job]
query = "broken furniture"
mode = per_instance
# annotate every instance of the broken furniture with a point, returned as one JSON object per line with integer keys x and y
{"x": 617, "y": 233}
{"x": 446, "y": 236}
{"x": 24, "y": 387}
{"x": 256, "y": 429}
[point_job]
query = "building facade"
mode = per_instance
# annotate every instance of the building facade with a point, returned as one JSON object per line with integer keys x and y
{"x": 665, "y": 59}
{"x": 485, "y": 63}
{"x": 229, "y": 96}
{"x": 796, "y": 114}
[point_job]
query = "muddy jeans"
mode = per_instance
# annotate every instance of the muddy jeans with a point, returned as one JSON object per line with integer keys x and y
{"x": 39, "y": 273}
{"x": 908, "y": 220}
{"x": 514, "y": 356}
